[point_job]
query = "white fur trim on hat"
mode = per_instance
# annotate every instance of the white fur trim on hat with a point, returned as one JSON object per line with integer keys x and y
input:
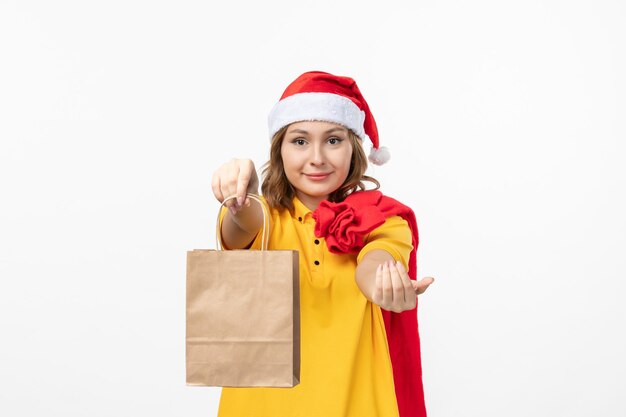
{"x": 325, "y": 107}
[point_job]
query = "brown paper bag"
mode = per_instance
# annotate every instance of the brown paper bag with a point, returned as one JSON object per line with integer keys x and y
{"x": 243, "y": 316}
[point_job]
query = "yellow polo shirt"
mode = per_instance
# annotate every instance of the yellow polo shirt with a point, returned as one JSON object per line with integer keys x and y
{"x": 345, "y": 363}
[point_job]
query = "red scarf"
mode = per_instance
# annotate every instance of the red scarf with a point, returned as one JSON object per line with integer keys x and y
{"x": 344, "y": 226}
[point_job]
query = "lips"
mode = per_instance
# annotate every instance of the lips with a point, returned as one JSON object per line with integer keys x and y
{"x": 318, "y": 176}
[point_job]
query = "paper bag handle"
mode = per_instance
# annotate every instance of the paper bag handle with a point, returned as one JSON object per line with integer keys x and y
{"x": 266, "y": 216}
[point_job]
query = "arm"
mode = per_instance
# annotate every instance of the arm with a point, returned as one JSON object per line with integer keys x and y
{"x": 366, "y": 271}
{"x": 240, "y": 229}
{"x": 244, "y": 218}
{"x": 385, "y": 282}
{"x": 381, "y": 274}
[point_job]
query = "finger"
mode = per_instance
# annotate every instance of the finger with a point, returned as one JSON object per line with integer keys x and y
{"x": 397, "y": 285}
{"x": 409, "y": 293}
{"x": 377, "y": 296}
{"x": 229, "y": 187}
{"x": 243, "y": 178}
{"x": 215, "y": 186}
{"x": 422, "y": 285}
{"x": 229, "y": 202}
{"x": 253, "y": 180}
{"x": 386, "y": 285}
{"x": 406, "y": 280}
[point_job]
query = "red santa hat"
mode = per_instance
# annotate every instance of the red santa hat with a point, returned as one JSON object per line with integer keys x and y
{"x": 325, "y": 97}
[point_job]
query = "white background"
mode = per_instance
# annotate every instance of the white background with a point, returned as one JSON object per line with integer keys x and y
{"x": 505, "y": 120}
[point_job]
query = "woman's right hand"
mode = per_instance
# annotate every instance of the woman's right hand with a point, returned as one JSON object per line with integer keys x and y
{"x": 237, "y": 177}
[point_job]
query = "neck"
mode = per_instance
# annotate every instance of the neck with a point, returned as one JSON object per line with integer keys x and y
{"x": 311, "y": 202}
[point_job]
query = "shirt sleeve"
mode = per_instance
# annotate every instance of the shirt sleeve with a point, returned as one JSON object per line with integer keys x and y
{"x": 393, "y": 236}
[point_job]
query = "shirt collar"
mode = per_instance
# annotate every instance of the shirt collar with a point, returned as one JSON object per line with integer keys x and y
{"x": 301, "y": 212}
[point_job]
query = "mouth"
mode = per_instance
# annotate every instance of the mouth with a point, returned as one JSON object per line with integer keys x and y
{"x": 318, "y": 176}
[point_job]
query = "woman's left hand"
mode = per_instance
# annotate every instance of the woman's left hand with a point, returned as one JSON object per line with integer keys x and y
{"x": 394, "y": 290}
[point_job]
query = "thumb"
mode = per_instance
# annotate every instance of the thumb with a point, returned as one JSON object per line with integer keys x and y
{"x": 422, "y": 285}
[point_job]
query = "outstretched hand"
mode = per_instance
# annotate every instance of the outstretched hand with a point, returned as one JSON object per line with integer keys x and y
{"x": 237, "y": 177}
{"x": 394, "y": 290}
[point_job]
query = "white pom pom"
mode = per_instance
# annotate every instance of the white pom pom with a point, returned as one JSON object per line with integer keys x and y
{"x": 379, "y": 156}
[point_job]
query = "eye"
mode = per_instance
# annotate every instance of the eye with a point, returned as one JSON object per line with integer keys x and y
{"x": 335, "y": 141}
{"x": 299, "y": 141}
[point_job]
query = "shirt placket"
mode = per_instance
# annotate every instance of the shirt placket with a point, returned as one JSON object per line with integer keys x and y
{"x": 317, "y": 249}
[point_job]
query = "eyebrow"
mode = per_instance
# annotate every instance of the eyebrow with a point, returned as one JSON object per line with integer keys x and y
{"x": 341, "y": 129}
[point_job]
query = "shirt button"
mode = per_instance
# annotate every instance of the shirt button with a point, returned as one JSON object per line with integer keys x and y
{"x": 299, "y": 219}
{"x": 316, "y": 262}
{"x": 317, "y": 242}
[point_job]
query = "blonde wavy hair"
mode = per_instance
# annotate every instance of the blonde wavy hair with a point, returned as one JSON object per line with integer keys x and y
{"x": 279, "y": 192}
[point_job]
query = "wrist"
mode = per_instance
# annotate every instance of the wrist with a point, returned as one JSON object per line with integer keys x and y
{"x": 247, "y": 217}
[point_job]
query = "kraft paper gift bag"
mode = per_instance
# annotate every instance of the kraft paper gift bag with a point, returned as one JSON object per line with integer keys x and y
{"x": 243, "y": 316}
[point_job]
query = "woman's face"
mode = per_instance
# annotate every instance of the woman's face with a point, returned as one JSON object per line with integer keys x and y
{"x": 316, "y": 157}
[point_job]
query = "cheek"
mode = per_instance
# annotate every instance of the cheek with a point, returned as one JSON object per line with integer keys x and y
{"x": 291, "y": 166}
{"x": 285, "y": 157}
{"x": 294, "y": 158}
{"x": 345, "y": 161}
{"x": 288, "y": 161}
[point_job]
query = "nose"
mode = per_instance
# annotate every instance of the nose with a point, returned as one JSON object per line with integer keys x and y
{"x": 317, "y": 155}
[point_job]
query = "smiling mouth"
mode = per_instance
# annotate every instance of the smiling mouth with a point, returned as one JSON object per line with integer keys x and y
{"x": 317, "y": 177}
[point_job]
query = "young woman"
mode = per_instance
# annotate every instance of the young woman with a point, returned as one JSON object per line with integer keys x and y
{"x": 360, "y": 351}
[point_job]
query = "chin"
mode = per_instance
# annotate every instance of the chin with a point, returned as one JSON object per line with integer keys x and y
{"x": 319, "y": 192}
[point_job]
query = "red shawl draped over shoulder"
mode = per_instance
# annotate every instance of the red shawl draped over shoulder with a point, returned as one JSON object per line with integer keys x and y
{"x": 344, "y": 226}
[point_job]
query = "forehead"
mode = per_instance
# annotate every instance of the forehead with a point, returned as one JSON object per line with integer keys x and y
{"x": 315, "y": 127}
